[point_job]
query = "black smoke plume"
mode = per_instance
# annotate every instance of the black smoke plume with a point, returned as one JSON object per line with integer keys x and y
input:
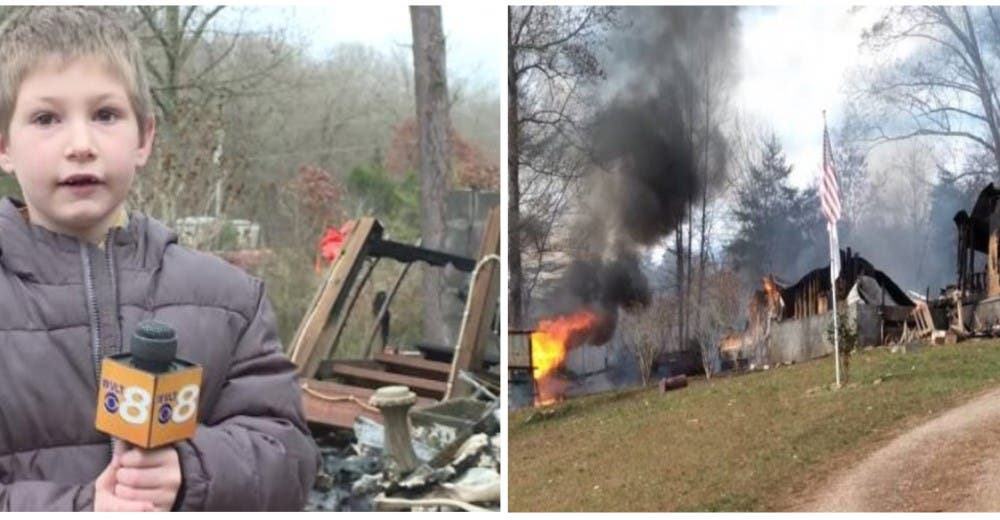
{"x": 646, "y": 144}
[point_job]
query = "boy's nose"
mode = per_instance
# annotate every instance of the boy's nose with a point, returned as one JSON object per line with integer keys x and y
{"x": 80, "y": 147}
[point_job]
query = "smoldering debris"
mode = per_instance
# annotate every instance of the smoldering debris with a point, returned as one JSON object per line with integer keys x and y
{"x": 458, "y": 470}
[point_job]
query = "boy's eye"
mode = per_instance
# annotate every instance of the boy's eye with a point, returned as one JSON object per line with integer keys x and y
{"x": 44, "y": 119}
{"x": 107, "y": 115}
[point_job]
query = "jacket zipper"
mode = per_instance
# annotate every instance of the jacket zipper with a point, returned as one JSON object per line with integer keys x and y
{"x": 95, "y": 322}
{"x": 109, "y": 257}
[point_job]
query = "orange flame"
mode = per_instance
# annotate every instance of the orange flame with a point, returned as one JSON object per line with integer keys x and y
{"x": 549, "y": 346}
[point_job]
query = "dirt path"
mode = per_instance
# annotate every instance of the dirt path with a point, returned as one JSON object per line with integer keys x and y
{"x": 951, "y": 463}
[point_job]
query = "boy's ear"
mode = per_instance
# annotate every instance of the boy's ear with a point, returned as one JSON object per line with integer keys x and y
{"x": 146, "y": 148}
{"x": 5, "y": 160}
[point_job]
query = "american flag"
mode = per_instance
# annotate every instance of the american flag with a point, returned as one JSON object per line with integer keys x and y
{"x": 829, "y": 191}
{"x": 829, "y": 196}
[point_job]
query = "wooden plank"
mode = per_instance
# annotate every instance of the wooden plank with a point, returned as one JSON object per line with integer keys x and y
{"x": 367, "y": 376}
{"x": 414, "y": 366}
{"x": 332, "y": 298}
{"x": 992, "y": 269}
{"x": 480, "y": 310}
{"x": 326, "y": 367}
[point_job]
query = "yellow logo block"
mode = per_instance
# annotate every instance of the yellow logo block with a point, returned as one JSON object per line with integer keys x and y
{"x": 145, "y": 409}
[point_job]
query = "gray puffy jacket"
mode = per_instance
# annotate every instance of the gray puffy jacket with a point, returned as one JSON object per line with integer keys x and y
{"x": 65, "y": 304}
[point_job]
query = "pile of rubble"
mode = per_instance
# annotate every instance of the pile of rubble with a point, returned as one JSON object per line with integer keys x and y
{"x": 445, "y": 457}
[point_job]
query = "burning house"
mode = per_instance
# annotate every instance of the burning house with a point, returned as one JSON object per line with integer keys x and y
{"x": 789, "y": 323}
{"x": 643, "y": 174}
{"x": 548, "y": 347}
{"x": 548, "y": 365}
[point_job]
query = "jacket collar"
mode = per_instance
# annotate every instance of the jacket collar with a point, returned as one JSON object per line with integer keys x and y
{"x": 45, "y": 256}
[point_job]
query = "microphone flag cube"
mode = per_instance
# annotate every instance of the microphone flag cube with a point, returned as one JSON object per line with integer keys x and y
{"x": 147, "y": 397}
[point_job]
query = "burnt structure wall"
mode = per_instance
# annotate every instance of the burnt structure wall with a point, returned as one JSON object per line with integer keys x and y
{"x": 978, "y": 239}
{"x": 795, "y": 341}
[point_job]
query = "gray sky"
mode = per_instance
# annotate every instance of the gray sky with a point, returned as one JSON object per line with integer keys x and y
{"x": 475, "y": 32}
{"x": 793, "y": 57}
{"x": 794, "y": 61}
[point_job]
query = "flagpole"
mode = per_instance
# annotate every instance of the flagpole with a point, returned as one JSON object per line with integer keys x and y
{"x": 831, "y": 230}
{"x": 833, "y": 295}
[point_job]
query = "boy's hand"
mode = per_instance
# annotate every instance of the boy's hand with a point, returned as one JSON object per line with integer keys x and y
{"x": 104, "y": 492}
{"x": 152, "y": 476}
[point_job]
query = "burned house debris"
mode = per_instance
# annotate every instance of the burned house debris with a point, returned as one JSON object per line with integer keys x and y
{"x": 811, "y": 294}
{"x": 766, "y": 306}
{"x": 788, "y": 323}
{"x": 400, "y": 428}
{"x": 972, "y": 306}
{"x": 978, "y": 233}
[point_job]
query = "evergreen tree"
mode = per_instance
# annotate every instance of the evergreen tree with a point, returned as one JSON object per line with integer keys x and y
{"x": 779, "y": 226}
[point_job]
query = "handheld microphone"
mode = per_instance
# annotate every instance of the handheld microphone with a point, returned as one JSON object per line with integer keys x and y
{"x": 148, "y": 397}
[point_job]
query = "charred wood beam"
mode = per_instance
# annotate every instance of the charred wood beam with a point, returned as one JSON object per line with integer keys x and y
{"x": 971, "y": 252}
{"x": 407, "y": 253}
{"x": 961, "y": 258}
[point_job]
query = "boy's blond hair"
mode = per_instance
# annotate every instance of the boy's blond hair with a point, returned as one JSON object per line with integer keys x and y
{"x": 32, "y": 35}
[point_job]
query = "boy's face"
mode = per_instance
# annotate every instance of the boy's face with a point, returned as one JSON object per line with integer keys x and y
{"x": 73, "y": 146}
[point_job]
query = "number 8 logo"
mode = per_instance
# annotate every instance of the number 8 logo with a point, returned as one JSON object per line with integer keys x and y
{"x": 187, "y": 403}
{"x": 135, "y": 409}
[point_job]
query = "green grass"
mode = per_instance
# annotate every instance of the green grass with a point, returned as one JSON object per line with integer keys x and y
{"x": 746, "y": 443}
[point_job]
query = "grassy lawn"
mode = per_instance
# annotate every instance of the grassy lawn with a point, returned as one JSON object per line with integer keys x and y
{"x": 746, "y": 443}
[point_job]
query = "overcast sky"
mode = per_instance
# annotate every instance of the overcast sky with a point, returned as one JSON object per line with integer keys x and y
{"x": 793, "y": 58}
{"x": 475, "y": 31}
{"x": 794, "y": 61}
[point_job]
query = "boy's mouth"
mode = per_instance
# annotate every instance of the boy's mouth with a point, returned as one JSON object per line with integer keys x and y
{"x": 80, "y": 179}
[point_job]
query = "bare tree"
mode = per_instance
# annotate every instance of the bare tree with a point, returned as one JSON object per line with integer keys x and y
{"x": 431, "y": 85}
{"x": 645, "y": 334}
{"x": 547, "y": 204}
{"x": 946, "y": 86}
{"x": 197, "y": 68}
{"x": 720, "y": 314}
{"x": 550, "y": 55}
{"x": 713, "y": 76}
{"x": 698, "y": 50}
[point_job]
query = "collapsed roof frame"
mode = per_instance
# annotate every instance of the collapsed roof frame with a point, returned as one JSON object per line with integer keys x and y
{"x": 810, "y": 295}
{"x": 318, "y": 335}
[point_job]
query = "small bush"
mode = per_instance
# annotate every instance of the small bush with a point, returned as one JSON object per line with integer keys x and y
{"x": 847, "y": 336}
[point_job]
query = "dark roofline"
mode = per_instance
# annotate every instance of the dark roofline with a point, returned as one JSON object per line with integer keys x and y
{"x": 863, "y": 267}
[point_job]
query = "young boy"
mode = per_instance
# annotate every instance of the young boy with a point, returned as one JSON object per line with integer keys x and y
{"x": 77, "y": 275}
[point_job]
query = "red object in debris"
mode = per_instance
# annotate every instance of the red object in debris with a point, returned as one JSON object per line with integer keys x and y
{"x": 333, "y": 239}
{"x": 673, "y": 383}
